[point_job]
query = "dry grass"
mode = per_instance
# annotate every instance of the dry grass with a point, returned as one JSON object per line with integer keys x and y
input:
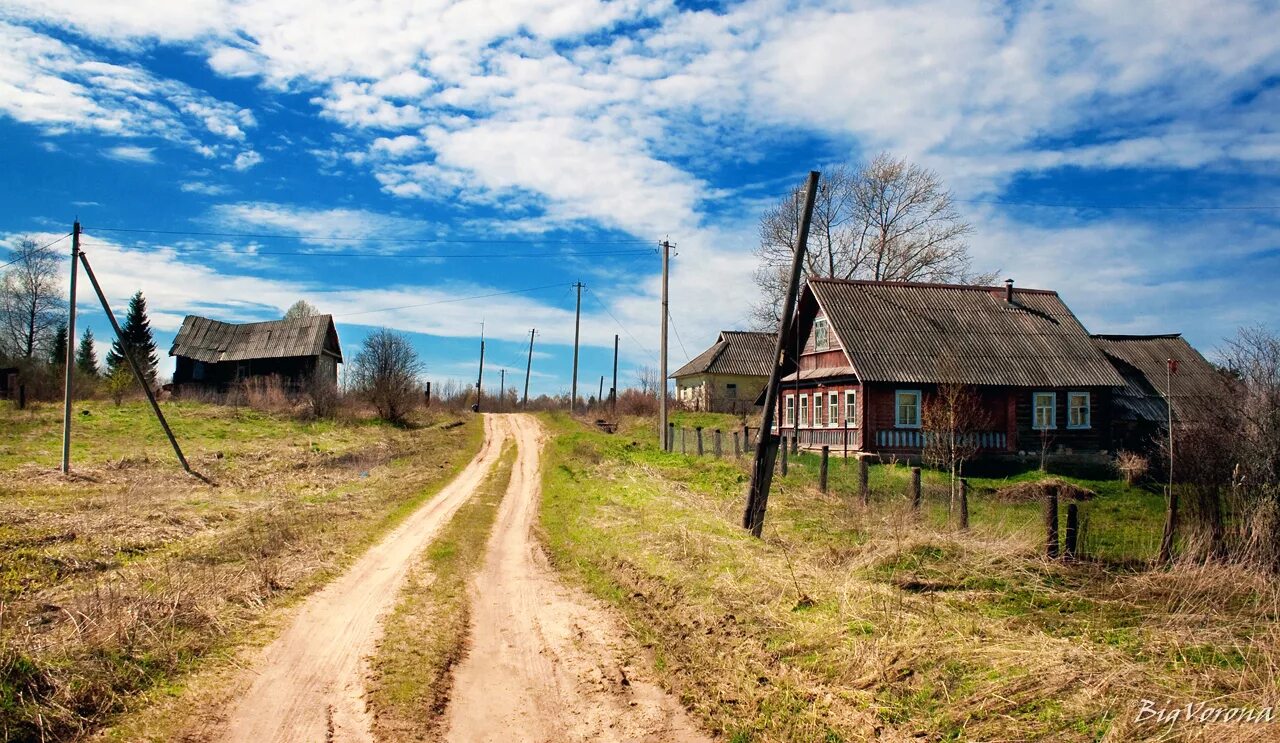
{"x": 850, "y": 624}
{"x": 1022, "y": 492}
{"x": 129, "y": 574}
{"x": 426, "y": 634}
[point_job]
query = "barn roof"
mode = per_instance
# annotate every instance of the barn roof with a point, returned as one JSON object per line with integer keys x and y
{"x": 1143, "y": 361}
{"x": 907, "y": 332}
{"x": 734, "y": 352}
{"x": 212, "y": 341}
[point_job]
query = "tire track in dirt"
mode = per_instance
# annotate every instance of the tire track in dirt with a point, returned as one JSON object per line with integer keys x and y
{"x": 547, "y": 662}
{"x": 310, "y": 682}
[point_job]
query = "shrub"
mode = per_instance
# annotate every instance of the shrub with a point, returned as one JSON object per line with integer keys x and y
{"x": 386, "y": 373}
{"x": 1132, "y": 466}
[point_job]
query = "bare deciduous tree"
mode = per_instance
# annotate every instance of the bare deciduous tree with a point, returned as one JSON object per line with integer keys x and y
{"x": 887, "y": 220}
{"x": 647, "y": 380}
{"x": 300, "y": 309}
{"x": 386, "y": 372}
{"x": 952, "y": 419}
{"x": 31, "y": 304}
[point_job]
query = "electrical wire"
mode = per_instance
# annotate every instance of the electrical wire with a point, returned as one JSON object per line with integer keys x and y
{"x": 448, "y": 301}
{"x": 677, "y": 332}
{"x": 374, "y": 238}
{"x": 619, "y": 323}
{"x": 42, "y": 247}
{"x": 355, "y": 254}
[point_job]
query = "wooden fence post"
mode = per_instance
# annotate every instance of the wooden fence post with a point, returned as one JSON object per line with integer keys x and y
{"x": 22, "y": 397}
{"x": 1170, "y": 526}
{"x": 915, "y": 488}
{"x": 1051, "y": 521}
{"x": 784, "y": 457}
{"x": 1073, "y": 531}
{"x": 822, "y": 468}
{"x": 737, "y": 444}
{"x": 795, "y": 442}
{"x": 718, "y": 446}
{"x": 683, "y": 448}
{"x": 864, "y": 481}
{"x": 698, "y": 429}
{"x": 746, "y": 437}
{"x": 671, "y": 437}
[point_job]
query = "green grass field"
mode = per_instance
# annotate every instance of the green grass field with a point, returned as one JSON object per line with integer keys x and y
{"x": 851, "y": 623}
{"x": 129, "y": 574}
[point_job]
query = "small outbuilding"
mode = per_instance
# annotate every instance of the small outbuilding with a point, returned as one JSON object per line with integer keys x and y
{"x": 728, "y": 376}
{"x": 216, "y": 355}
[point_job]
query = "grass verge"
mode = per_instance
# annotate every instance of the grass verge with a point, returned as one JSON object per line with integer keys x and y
{"x": 847, "y": 623}
{"x": 127, "y": 577}
{"x": 426, "y": 634}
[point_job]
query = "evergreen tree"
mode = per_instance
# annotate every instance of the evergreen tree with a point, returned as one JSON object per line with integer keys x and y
{"x": 58, "y": 351}
{"x": 87, "y": 355}
{"x": 137, "y": 333}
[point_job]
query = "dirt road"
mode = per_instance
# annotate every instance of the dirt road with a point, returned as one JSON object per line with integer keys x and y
{"x": 548, "y": 663}
{"x": 310, "y": 682}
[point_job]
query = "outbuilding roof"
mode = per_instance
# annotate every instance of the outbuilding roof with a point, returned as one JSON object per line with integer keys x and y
{"x": 212, "y": 341}
{"x": 908, "y": 332}
{"x": 737, "y": 352}
{"x": 1195, "y": 390}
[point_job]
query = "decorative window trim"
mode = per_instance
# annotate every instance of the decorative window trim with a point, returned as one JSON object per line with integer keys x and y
{"x": 1088, "y": 410}
{"x": 804, "y": 411}
{"x": 897, "y": 418}
{"x": 1053, "y": 410}
{"x": 833, "y": 409}
{"x": 789, "y": 416}
{"x": 850, "y": 408}
{"x": 821, "y": 340}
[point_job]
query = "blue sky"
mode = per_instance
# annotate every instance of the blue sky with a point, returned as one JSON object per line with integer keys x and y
{"x": 1124, "y": 154}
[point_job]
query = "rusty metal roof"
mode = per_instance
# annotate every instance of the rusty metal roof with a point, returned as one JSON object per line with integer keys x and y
{"x": 212, "y": 341}
{"x": 1197, "y": 388}
{"x": 907, "y": 332}
{"x": 738, "y": 352}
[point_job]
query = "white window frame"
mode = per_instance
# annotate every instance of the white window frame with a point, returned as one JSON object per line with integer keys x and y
{"x": 1053, "y": 410}
{"x": 821, "y": 340}
{"x": 731, "y": 390}
{"x": 1088, "y": 410}
{"x": 789, "y": 417}
{"x": 897, "y": 410}
{"x": 833, "y": 409}
{"x": 804, "y": 411}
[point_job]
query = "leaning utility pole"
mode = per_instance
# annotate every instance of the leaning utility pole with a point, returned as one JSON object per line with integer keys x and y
{"x": 600, "y": 394}
{"x": 479, "y": 377}
{"x": 662, "y": 353}
{"x": 69, "y": 372}
{"x": 577, "y": 322}
{"x": 133, "y": 364}
{"x": 528, "y": 369}
{"x": 767, "y": 444}
{"x": 613, "y": 391}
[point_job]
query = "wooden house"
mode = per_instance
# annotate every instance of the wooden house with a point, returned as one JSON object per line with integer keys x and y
{"x": 728, "y": 376}
{"x": 870, "y": 357}
{"x": 1195, "y": 390}
{"x": 217, "y": 355}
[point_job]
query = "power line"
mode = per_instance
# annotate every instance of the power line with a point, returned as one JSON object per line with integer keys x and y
{"x": 619, "y": 322}
{"x": 448, "y": 301}
{"x": 355, "y": 254}
{"x": 374, "y": 238}
{"x": 677, "y": 332}
{"x": 42, "y": 247}
{"x": 1150, "y": 207}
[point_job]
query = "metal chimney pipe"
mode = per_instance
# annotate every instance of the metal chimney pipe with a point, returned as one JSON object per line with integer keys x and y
{"x": 1008, "y": 290}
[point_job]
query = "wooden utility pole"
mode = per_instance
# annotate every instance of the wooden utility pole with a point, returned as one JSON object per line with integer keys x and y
{"x": 480, "y": 375}
{"x": 600, "y": 394}
{"x": 613, "y": 391}
{"x": 767, "y": 443}
{"x": 577, "y": 323}
{"x": 69, "y": 372}
{"x": 133, "y": 364}
{"x": 502, "y": 389}
{"x": 528, "y": 369}
{"x": 662, "y": 350}
{"x": 1171, "y": 497}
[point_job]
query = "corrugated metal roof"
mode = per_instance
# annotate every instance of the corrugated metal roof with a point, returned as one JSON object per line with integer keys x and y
{"x": 1197, "y": 388}
{"x": 734, "y": 352}
{"x": 927, "y": 333}
{"x": 212, "y": 341}
{"x": 825, "y": 372}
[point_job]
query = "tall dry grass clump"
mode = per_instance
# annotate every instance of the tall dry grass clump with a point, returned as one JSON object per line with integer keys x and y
{"x": 1132, "y": 467}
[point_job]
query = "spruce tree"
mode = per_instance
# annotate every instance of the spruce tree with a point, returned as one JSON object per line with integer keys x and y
{"x": 58, "y": 350}
{"x": 137, "y": 333}
{"x": 87, "y": 355}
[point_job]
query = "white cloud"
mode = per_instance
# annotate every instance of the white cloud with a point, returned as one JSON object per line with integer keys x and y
{"x": 205, "y": 189}
{"x": 130, "y": 153}
{"x": 246, "y": 160}
{"x": 318, "y": 225}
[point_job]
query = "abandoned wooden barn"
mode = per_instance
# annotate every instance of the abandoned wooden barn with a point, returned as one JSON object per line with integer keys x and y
{"x": 728, "y": 376}
{"x": 216, "y": 355}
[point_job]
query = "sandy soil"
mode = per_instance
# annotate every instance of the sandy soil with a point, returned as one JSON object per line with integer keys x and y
{"x": 546, "y": 662}
{"x": 309, "y": 683}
